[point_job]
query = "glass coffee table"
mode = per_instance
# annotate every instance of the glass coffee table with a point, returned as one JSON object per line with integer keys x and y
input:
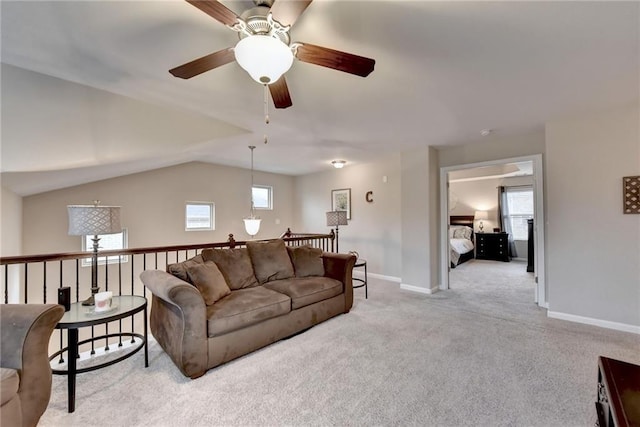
{"x": 80, "y": 316}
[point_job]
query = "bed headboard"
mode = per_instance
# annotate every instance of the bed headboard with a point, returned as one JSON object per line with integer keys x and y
{"x": 461, "y": 220}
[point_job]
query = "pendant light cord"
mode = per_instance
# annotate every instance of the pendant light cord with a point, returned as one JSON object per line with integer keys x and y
{"x": 252, "y": 147}
{"x": 266, "y": 104}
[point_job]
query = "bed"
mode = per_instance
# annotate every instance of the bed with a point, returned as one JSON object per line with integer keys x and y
{"x": 460, "y": 239}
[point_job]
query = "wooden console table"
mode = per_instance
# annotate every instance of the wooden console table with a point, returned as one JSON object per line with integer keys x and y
{"x": 618, "y": 393}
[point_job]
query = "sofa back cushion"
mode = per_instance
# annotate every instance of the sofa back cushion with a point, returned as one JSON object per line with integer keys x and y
{"x": 179, "y": 269}
{"x": 209, "y": 281}
{"x": 270, "y": 260}
{"x": 235, "y": 266}
{"x": 307, "y": 261}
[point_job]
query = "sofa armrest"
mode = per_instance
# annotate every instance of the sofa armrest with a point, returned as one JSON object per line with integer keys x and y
{"x": 178, "y": 320}
{"x": 25, "y": 333}
{"x": 340, "y": 267}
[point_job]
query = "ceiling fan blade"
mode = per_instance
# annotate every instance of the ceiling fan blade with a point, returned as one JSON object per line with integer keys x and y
{"x": 280, "y": 93}
{"x": 206, "y": 63}
{"x": 341, "y": 61}
{"x": 216, "y": 10}
{"x": 286, "y": 12}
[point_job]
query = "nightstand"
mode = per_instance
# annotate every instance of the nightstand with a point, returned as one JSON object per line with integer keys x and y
{"x": 494, "y": 246}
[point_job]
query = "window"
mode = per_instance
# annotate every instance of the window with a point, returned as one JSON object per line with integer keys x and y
{"x": 107, "y": 242}
{"x": 520, "y": 206}
{"x": 200, "y": 216}
{"x": 262, "y": 197}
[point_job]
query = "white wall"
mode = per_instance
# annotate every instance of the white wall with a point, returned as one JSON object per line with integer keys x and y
{"x": 374, "y": 228}
{"x": 593, "y": 248}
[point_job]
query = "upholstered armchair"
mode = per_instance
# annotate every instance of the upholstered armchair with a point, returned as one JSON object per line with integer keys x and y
{"x": 24, "y": 361}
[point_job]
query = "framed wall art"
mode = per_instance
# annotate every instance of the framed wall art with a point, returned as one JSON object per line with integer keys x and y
{"x": 341, "y": 200}
{"x": 631, "y": 194}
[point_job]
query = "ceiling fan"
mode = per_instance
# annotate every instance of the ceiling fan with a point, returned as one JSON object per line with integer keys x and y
{"x": 265, "y": 50}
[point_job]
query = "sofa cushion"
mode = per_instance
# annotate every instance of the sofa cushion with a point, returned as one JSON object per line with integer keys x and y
{"x": 306, "y": 290}
{"x": 9, "y": 384}
{"x": 209, "y": 281}
{"x": 235, "y": 266}
{"x": 179, "y": 269}
{"x": 245, "y": 307}
{"x": 307, "y": 261}
{"x": 270, "y": 260}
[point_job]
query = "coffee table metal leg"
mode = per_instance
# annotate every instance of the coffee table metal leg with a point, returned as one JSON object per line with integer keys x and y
{"x": 72, "y": 337}
{"x": 146, "y": 340}
{"x": 366, "y": 285}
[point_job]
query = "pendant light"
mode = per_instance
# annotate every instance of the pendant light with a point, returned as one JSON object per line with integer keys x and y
{"x": 252, "y": 223}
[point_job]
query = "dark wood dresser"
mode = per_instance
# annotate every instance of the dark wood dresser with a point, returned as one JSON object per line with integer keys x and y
{"x": 618, "y": 393}
{"x": 494, "y": 246}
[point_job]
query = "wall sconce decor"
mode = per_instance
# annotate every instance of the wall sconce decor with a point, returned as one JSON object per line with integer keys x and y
{"x": 631, "y": 194}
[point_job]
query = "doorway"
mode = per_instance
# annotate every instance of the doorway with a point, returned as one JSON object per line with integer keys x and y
{"x": 496, "y": 171}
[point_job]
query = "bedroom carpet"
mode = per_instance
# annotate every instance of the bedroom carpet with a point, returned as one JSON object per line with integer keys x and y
{"x": 480, "y": 354}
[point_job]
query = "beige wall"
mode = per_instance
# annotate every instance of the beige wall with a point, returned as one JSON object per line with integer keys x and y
{"x": 374, "y": 228}
{"x": 483, "y": 195}
{"x": 420, "y": 195}
{"x": 11, "y": 223}
{"x": 11, "y": 238}
{"x": 153, "y": 205}
{"x": 496, "y": 147}
{"x": 593, "y": 248}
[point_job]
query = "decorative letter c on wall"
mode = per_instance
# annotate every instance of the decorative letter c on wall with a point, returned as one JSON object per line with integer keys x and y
{"x": 369, "y": 196}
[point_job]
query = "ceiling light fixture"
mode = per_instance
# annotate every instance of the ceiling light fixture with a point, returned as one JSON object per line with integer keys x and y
{"x": 338, "y": 164}
{"x": 265, "y": 58}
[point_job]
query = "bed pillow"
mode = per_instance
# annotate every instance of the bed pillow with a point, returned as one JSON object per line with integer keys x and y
{"x": 270, "y": 260}
{"x": 307, "y": 261}
{"x": 235, "y": 266}
{"x": 209, "y": 281}
{"x": 179, "y": 269}
{"x": 462, "y": 232}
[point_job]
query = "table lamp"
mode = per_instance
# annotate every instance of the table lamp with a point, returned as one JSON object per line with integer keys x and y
{"x": 93, "y": 220}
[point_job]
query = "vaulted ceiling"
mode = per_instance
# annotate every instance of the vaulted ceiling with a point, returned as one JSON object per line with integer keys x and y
{"x": 86, "y": 92}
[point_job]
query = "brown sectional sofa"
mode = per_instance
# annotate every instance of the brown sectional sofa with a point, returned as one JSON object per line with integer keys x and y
{"x": 225, "y": 303}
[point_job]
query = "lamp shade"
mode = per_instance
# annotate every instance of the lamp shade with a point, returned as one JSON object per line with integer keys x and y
{"x": 335, "y": 218}
{"x": 252, "y": 226}
{"x": 481, "y": 215}
{"x": 265, "y": 58}
{"x": 91, "y": 220}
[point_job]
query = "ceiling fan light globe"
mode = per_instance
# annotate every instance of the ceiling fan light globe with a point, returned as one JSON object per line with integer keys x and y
{"x": 265, "y": 58}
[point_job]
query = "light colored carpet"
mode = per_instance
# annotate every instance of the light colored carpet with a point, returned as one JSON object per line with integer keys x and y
{"x": 480, "y": 354}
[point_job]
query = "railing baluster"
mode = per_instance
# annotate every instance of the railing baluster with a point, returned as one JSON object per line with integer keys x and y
{"x": 26, "y": 280}
{"x": 23, "y": 278}
{"x": 6, "y": 284}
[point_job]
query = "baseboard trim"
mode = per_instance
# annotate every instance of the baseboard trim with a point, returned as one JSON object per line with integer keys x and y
{"x": 418, "y": 289}
{"x": 594, "y": 322}
{"x": 360, "y": 274}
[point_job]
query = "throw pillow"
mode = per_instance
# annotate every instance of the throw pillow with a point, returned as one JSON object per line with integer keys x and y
{"x": 209, "y": 281}
{"x": 235, "y": 266}
{"x": 179, "y": 269}
{"x": 270, "y": 260}
{"x": 307, "y": 261}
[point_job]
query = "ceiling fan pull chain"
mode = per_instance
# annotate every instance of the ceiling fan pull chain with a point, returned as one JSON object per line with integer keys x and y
{"x": 266, "y": 104}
